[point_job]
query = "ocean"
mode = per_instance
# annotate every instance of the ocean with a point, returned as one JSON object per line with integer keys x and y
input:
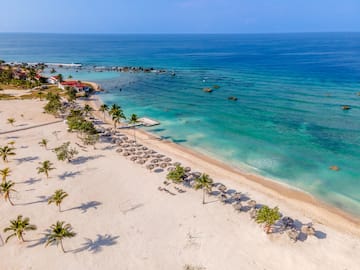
{"x": 287, "y": 123}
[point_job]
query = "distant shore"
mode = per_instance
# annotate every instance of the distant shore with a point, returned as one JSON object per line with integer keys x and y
{"x": 303, "y": 202}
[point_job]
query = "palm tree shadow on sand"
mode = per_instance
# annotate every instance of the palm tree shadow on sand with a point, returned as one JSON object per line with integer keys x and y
{"x": 67, "y": 174}
{"x": 40, "y": 241}
{"x": 97, "y": 245}
{"x": 84, "y": 207}
{"x": 83, "y": 159}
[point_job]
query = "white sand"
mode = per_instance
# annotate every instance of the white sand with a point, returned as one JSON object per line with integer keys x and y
{"x": 129, "y": 224}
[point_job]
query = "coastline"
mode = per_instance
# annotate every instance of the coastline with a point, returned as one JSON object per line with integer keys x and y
{"x": 284, "y": 195}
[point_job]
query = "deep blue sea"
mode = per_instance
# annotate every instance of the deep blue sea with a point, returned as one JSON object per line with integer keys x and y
{"x": 287, "y": 124}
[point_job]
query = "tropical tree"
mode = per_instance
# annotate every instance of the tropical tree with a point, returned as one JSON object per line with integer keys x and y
{"x": 104, "y": 108}
{"x": 11, "y": 121}
{"x": 60, "y": 77}
{"x": 5, "y": 173}
{"x": 177, "y": 175}
{"x": 40, "y": 94}
{"x": 6, "y": 151}
{"x": 268, "y": 216}
{"x": 7, "y": 187}
{"x": 117, "y": 116}
{"x": 57, "y": 198}
{"x": 44, "y": 143}
{"x": 203, "y": 182}
{"x": 114, "y": 108}
{"x": 71, "y": 93}
{"x": 18, "y": 227}
{"x": 90, "y": 139}
{"x": 134, "y": 119}
{"x": 87, "y": 109}
{"x": 45, "y": 167}
{"x": 59, "y": 231}
{"x": 64, "y": 152}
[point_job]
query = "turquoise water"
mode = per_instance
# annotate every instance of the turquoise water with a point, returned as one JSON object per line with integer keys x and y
{"x": 287, "y": 123}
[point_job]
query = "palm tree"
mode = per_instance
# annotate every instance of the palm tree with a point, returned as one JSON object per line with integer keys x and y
{"x": 59, "y": 231}
{"x": 6, "y": 151}
{"x": 114, "y": 108}
{"x": 268, "y": 216}
{"x": 117, "y": 116}
{"x": 19, "y": 226}
{"x": 5, "y": 173}
{"x": 40, "y": 94}
{"x": 6, "y": 188}
{"x": 87, "y": 109}
{"x": 203, "y": 182}
{"x": 134, "y": 119}
{"x": 11, "y": 121}
{"x": 104, "y": 108}
{"x": 46, "y": 167}
{"x": 57, "y": 198}
{"x": 44, "y": 143}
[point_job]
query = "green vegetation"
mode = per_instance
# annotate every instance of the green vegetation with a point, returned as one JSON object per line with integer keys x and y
{"x": 44, "y": 143}
{"x": 177, "y": 175}
{"x": 6, "y": 188}
{"x": 87, "y": 109}
{"x": 6, "y": 151}
{"x": 77, "y": 122}
{"x": 59, "y": 231}
{"x": 11, "y": 121}
{"x": 64, "y": 152}
{"x": 104, "y": 108}
{"x": 18, "y": 227}
{"x": 5, "y": 173}
{"x": 117, "y": 114}
{"x": 90, "y": 139}
{"x": 54, "y": 105}
{"x": 268, "y": 216}
{"x": 204, "y": 182}
{"x": 45, "y": 167}
{"x": 57, "y": 198}
{"x": 70, "y": 93}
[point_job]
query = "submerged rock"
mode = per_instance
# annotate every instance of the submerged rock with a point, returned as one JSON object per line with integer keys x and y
{"x": 346, "y": 107}
{"x": 334, "y": 168}
{"x": 208, "y": 90}
{"x": 216, "y": 86}
{"x": 233, "y": 98}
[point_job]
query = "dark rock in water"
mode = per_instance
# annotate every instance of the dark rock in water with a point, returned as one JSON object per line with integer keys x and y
{"x": 216, "y": 86}
{"x": 233, "y": 98}
{"x": 346, "y": 107}
{"x": 208, "y": 90}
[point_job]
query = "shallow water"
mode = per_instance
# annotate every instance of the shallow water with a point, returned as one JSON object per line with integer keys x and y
{"x": 287, "y": 123}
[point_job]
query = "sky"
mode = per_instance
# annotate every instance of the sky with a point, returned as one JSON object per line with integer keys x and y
{"x": 179, "y": 16}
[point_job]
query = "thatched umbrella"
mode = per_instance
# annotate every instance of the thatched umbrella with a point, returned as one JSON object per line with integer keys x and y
{"x": 139, "y": 153}
{"x": 177, "y": 164}
{"x": 126, "y": 154}
{"x": 125, "y": 138}
{"x": 196, "y": 174}
{"x": 253, "y": 213}
{"x": 238, "y": 206}
{"x": 223, "y": 198}
{"x": 187, "y": 169}
{"x": 144, "y": 148}
{"x": 288, "y": 222}
{"x": 150, "y": 167}
{"x": 154, "y": 161}
{"x": 141, "y": 161}
{"x": 119, "y": 150}
{"x": 160, "y": 156}
{"x": 222, "y": 188}
{"x": 138, "y": 145}
{"x": 236, "y": 196}
{"x": 251, "y": 203}
{"x": 167, "y": 159}
{"x": 169, "y": 169}
{"x": 133, "y": 158}
{"x": 308, "y": 229}
{"x": 293, "y": 234}
{"x": 163, "y": 165}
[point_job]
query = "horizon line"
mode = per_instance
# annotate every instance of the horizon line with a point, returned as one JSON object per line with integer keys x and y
{"x": 182, "y": 33}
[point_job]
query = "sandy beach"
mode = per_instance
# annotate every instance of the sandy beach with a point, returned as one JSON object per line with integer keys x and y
{"x": 123, "y": 220}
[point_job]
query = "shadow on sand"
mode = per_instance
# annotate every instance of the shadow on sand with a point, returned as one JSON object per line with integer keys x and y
{"x": 68, "y": 175}
{"x": 82, "y": 159}
{"x": 26, "y": 159}
{"x": 84, "y": 207}
{"x": 97, "y": 245}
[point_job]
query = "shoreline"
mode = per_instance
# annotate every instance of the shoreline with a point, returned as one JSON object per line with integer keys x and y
{"x": 297, "y": 199}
